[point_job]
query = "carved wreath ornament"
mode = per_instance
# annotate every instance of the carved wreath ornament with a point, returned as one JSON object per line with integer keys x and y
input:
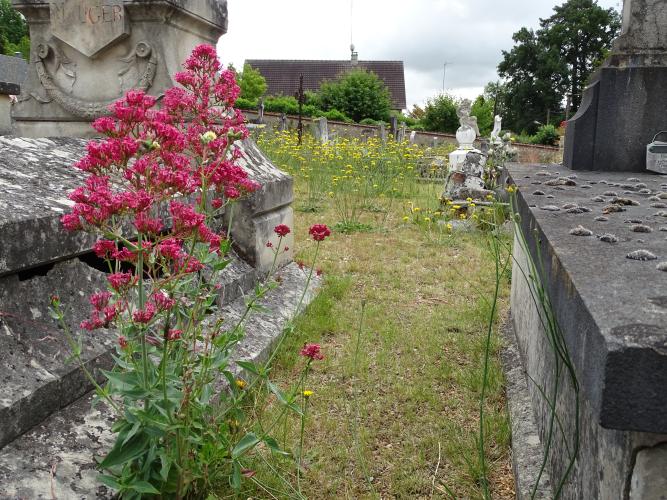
{"x": 87, "y": 109}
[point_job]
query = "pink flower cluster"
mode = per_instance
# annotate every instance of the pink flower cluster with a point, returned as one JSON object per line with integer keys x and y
{"x": 312, "y": 351}
{"x": 152, "y": 149}
{"x": 153, "y": 158}
{"x": 319, "y": 231}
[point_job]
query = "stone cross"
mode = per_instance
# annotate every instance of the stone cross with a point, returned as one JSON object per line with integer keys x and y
{"x": 85, "y": 54}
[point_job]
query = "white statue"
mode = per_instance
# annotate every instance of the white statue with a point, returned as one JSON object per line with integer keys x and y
{"x": 468, "y": 131}
{"x": 495, "y": 133}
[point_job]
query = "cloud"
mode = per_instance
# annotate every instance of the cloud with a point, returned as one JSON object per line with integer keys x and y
{"x": 468, "y": 34}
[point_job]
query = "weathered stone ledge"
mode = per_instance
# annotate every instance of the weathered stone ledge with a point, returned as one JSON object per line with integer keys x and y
{"x": 611, "y": 308}
{"x": 36, "y": 176}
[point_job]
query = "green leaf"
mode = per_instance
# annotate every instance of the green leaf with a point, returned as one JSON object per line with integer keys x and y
{"x": 281, "y": 397}
{"x": 122, "y": 380}
{"x": 122, "y": 453}
{"x": 166, "y": 465}
{"x": 274, "y": 446}
{"x": 235, "y": 479}
{"x": 109, "y": 481}
{"x": 246, "y": 443}
{"x": 249, "y": 366}
{"x": 143, "y": 487}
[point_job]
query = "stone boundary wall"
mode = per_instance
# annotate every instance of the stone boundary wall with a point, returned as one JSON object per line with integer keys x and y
{"x": 527, "y": 153}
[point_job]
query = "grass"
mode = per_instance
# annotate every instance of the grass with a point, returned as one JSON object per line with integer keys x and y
{"x": 395, "y": 410}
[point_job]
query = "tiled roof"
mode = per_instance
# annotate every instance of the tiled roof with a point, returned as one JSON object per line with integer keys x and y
{"x": 282, "y": 76}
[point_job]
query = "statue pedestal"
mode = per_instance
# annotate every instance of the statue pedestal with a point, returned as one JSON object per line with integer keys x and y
{"x": 458, "y": 156}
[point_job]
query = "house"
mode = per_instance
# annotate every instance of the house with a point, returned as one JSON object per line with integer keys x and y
{"x": 282, "y": 75}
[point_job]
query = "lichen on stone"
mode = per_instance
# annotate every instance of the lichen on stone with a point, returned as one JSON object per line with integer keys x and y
{"x": 609, "y": 238}
{"x": 642, "y": 255}
{"x": 581, "y": 231}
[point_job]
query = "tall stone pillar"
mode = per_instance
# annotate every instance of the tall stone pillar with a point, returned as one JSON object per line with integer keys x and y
{"x": 625, "y": 104}
{"x": 85, "y": 54}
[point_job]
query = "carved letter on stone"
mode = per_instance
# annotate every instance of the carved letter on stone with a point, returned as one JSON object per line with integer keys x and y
{"x": 89, "y": 25}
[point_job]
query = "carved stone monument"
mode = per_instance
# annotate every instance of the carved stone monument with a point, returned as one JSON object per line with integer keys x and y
{"x": 466, "y": 164}
{"x": 626, "y": 104}
{"x": 85, "y": 54}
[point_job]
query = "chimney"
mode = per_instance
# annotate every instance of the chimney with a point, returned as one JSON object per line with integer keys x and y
{"x": 355, "y": 56}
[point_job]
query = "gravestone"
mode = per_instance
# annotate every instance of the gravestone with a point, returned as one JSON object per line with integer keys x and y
{"x": 400, "y": 137}
{"x": 393, "y": 127}
{"x": 260, "y": 111}
{"x": 413, "y": 136}
{"x": 85, "y": 54}
{"x": 282, "y": 125}
{"x": 383, "y": 133}
{"x": 625, "y": 104}
{"x": 12, "y": 75}
{"x": 321, "y": 128}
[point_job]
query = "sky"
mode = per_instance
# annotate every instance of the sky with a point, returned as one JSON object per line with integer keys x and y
{"x": 469, "y": 35}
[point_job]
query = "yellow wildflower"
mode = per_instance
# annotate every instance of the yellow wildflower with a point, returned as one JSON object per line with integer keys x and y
{"x": 307, "y": 393}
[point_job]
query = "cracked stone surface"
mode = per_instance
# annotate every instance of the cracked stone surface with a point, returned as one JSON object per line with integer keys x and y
{"x": 70, "y": 439}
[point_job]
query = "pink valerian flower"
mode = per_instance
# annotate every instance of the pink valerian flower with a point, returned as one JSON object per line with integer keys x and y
{"x": 319, "y": 231}
{"x": 191, "y": 265}
{"x": 71, "y": 222}
{"x": 171, "y": 248}
{"x": 103, "y": 312}
{"x": 146, "y": 314}
{"x": 217, "y": 203}
{"x": 281, "y": 230}
{"x": 122, "y": 342}
{"x": 269, "y": 244}
{"x": 312, "y": 351}
{"x": 232, "y": 192}
{"x": 146, "y": 224}
{"x": 319, "y": 272}
{"x": 104, "y": 249}
{"x": 162, "y": 300}
{"x": 185, "y": 218}
{"x": 207, "y": 235}
{"x": 99, "y": 300}
{"x": 124, "y": 255}
{"x": 174, "y": 334}
{"x": 120, "y": 281}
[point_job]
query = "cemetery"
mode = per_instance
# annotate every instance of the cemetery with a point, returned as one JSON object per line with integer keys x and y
{"x": 199, "y": 302}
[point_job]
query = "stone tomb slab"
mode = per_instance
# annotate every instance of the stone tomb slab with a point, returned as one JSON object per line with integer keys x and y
{"x": 612, "y": 309}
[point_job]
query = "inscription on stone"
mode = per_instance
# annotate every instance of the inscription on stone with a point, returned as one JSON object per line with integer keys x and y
{"x": 88, "y": 25}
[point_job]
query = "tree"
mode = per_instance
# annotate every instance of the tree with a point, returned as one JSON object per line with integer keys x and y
{"x": 440, "y": 114}
{"x": 482, "y": 108}
{"x": 545, "y": 65}
{"x": 252, "y": 83}
{"x": 582, "y": 31}
{"x": 358, "y": 94}
{"x": 14, "y": 35}
{"x": 534, "y": 82}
